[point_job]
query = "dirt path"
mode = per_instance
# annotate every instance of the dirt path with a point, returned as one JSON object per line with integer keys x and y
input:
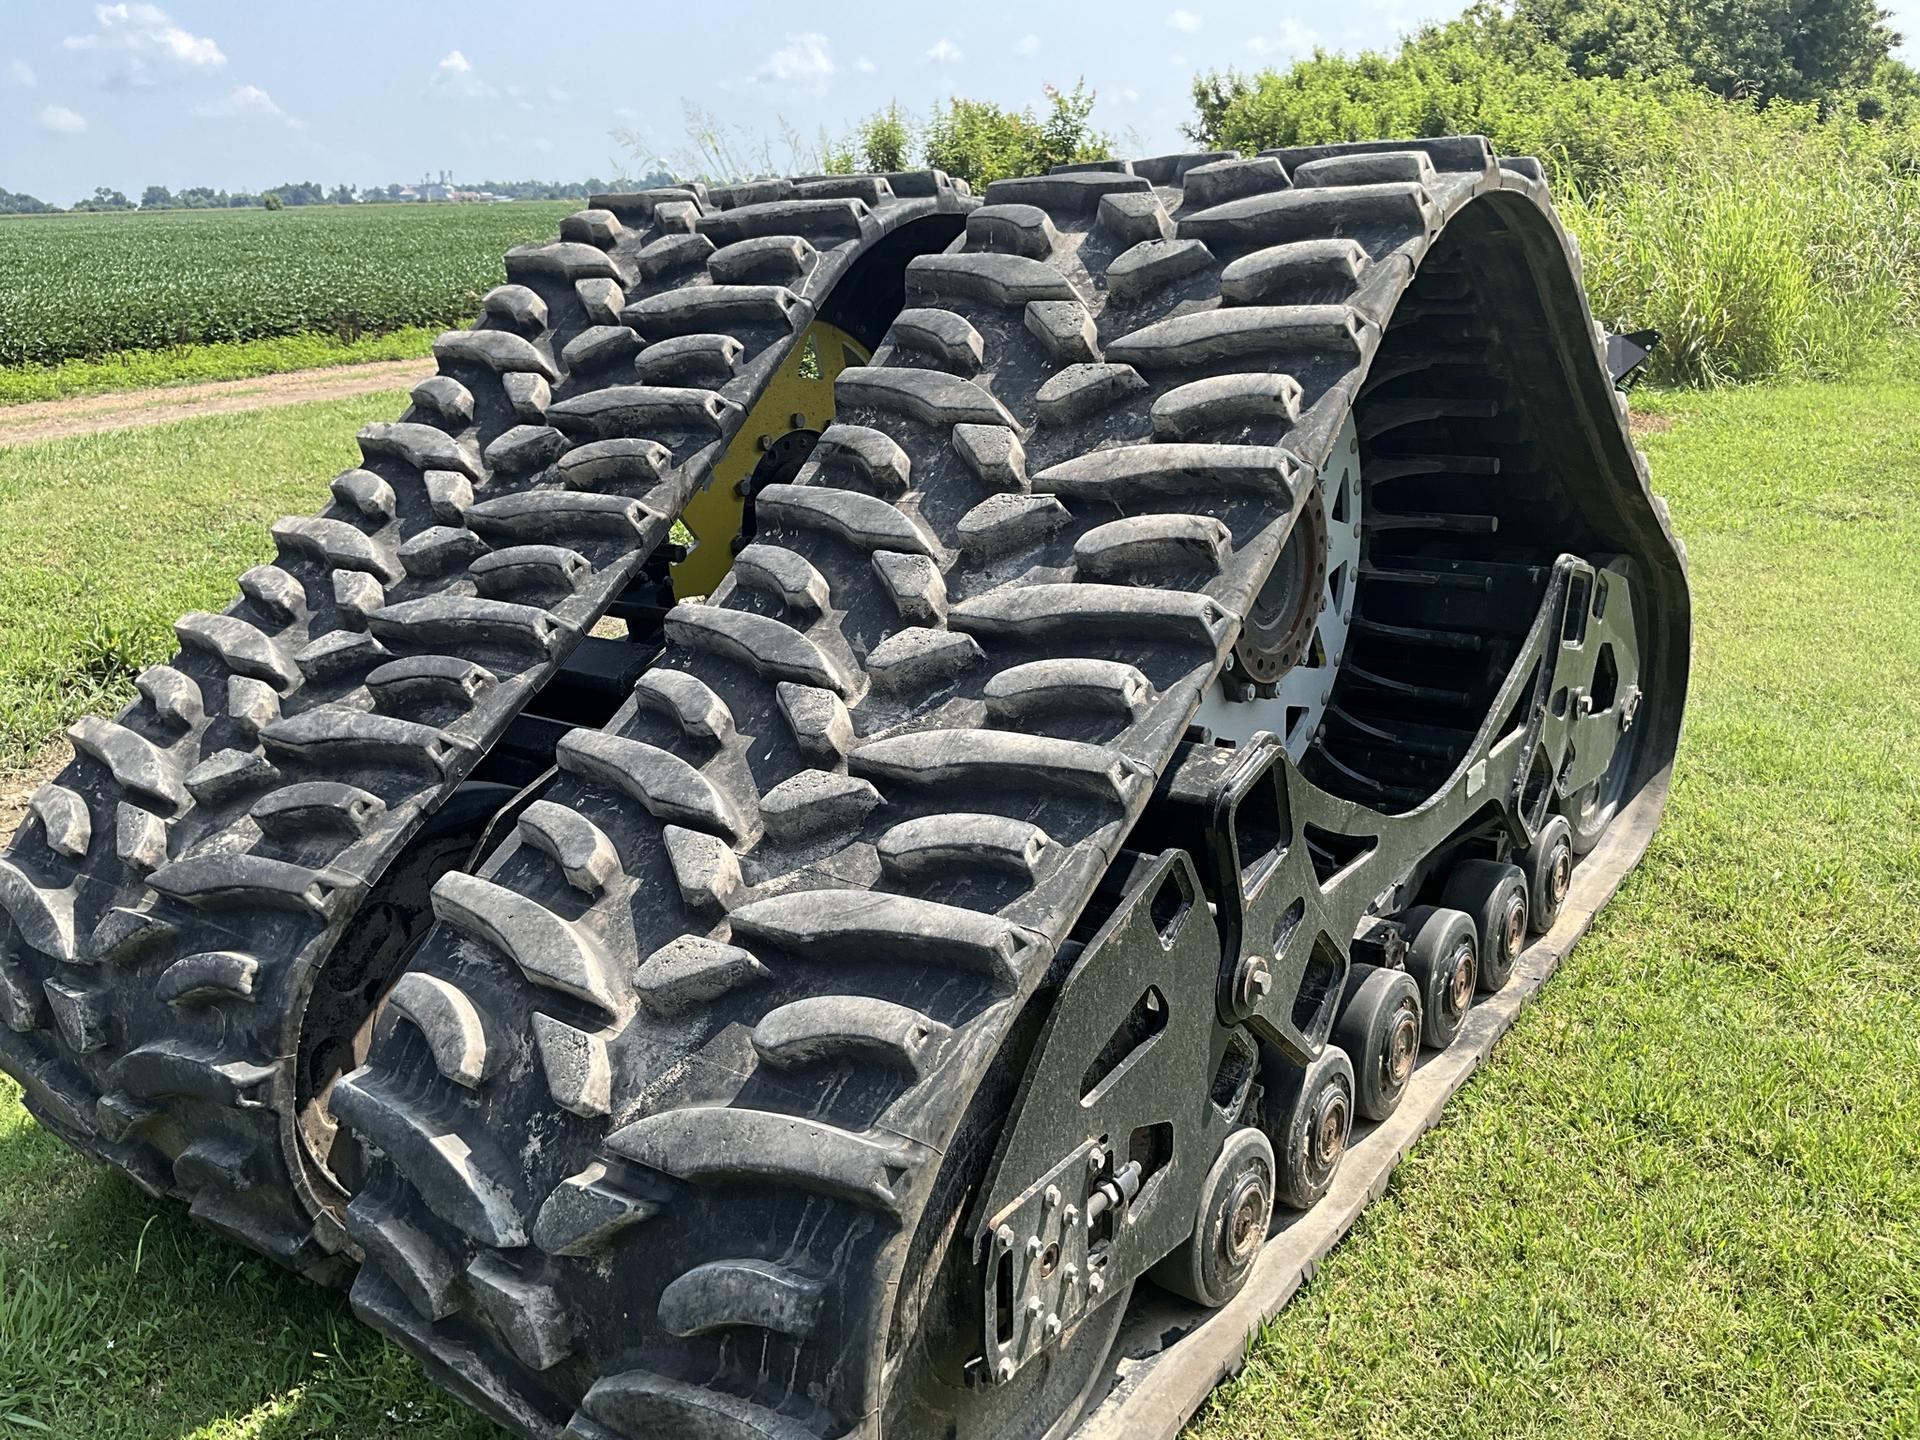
{"x": 17, "y": 786}
{"x": 90, "y": 414}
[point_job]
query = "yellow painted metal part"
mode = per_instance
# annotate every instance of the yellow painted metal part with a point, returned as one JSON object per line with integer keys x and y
{"x": 798, "y": 397}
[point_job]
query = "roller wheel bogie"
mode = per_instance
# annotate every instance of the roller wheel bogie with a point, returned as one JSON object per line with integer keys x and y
{"x": 1548, "y": 866}
{"x": 1495, "y": 895}
{"x": 1380, "y": 1028}
{"x": 1308, "y": 1115}
{"x": 1236, "y": 1209}
{"x": 1443, "y": 958}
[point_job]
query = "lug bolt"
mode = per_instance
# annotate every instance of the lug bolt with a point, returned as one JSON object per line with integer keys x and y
{"x": 1034, "y": 1248}
{"x": 1053, "y": 1327}
{"x": 1095, "y": 1285}
{"x": 1254, "y": 982}
{"x": 1005, "y": 1237}
{"x": 1052, "y": 1198}
{"x": 1034, "y": 1307}
{"x": 1005, "y": 1372}
{"x": 1096, "y": 1160}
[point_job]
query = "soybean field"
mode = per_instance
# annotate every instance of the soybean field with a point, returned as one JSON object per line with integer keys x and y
{"x": 93, "y": 285}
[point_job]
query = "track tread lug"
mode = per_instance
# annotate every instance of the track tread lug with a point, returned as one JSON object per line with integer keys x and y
{"x": 579, "y": 1073}
{"x": 741, "y": 1294}
{"x": 931, "y": 845}
{"x": 725, "y": 1145}
{"x": 529, "y": 1313}
{"x": 668, "y": 787}
{"x": 210, "y": 978}
{"x": 548, "y": 950}
{"x": 690, "y": 970}
{"x": 813, "y": 801}
{"x": 704, "y": 866}
{"x": 915, "y": 585}
{"x": 453, "y": 1174}
{"x": 585, "y": 1211}
{"x": 828, "y": 925}
{"x": 64, "y": 819}
{"x": 447, "y": 1020}
{"x": 578, "y": 846}
{"x": 836, "y": 1029}
{"x": 770, "y": 648}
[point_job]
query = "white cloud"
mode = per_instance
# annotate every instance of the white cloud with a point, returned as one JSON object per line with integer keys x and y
{"x": 802, "y": 66}
{"x": 945, "y": 52}
{"x": 1291, "y": 38}
{"x": 558, "y": 96}
{"x": 863, "y": 65}
{"x": 247, "y": 102}
{"x": 1130, "y": 95}
{"x": 20, "y": 73}
{"x": 62, "y": 121}
{"x": 1185, "y": 21}
{"x": 454, "y": 79}
{"x": 1027, "y": 45}
{"x": 152, "y": 48}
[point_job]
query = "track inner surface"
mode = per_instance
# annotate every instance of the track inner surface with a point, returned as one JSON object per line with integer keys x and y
{"x": 171, "y": 910}
{"x": 666, "y": 1161}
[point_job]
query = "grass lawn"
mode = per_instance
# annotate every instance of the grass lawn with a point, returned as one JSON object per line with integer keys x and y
{"x": 107, "y": 539}
{"x": 1683, "y": 1199}
{"x": 190, "y": 364}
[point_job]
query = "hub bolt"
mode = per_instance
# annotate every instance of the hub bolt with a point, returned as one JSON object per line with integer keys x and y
{"x": 1253, "y": 983}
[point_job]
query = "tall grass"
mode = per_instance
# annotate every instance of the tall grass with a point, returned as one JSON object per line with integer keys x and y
{"x": 1762, "y": 241}
{"x": 1790, "y": 258}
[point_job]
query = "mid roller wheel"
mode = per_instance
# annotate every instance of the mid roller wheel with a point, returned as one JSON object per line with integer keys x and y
{"x": 1548, "y": 864}
{"x": 1236, "y": 1208}
{"x": 1495, "y": 895}
{"x": 1379, "y": 1029}
{"x": 1443, "y": 959}
{"x": 1309, "y": 1116}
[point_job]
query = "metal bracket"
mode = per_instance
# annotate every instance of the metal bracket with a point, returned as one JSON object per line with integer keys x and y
{"x": 1585, "y": 696}
{"x": 1100, "y": 1170}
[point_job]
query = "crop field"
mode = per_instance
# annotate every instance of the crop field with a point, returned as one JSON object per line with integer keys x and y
{"x": 84, "y": 286}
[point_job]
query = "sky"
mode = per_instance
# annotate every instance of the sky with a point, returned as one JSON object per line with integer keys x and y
{"x": 244, "y": 94}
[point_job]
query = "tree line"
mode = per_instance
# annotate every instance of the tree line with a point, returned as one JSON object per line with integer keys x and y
{"x": 303, "y": 192}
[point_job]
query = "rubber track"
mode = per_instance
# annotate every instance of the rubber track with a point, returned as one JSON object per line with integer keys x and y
{"x": 848, "y": 827}
{"x": 178, "y": 887}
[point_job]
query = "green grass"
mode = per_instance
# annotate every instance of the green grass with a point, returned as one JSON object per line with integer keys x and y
{"x": 89, "y": 286}
{"x": 106, "y": 539}
{"x": 1682, "y": 1199}
{"x": 222, "y": 360}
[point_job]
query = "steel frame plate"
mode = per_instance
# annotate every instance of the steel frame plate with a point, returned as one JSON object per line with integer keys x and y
{"x": 1171, "y": 1353}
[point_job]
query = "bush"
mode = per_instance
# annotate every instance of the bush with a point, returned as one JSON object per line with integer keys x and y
{"x": 886, "y": 139}
{"x": 1760, "y": 241}
{"x": 979, "y": 142}
{"x": 1753, "y": 262}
